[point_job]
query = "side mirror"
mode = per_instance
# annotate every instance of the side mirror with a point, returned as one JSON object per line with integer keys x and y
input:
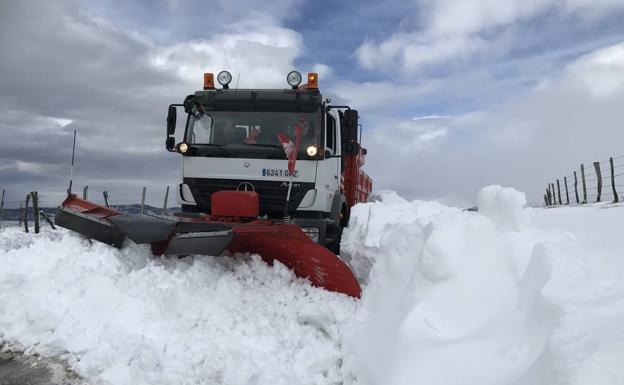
{"x": 170, "y": 143}
{"x": 350, "y": 126}
{"x": 172, "y": 117}
{"x": 351, "y": 148}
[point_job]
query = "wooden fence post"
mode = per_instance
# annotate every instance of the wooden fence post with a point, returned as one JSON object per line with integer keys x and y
{"x": 47, "y": 218}
{"x": 105, "y": 193}
{"x": 35, "y": 200}
{"x": 554, "y": 194}
{"x": 85, "y": 192}
{"x": 1, "y": 207}
{"x": 584, "y": 185}
{"x": 545, "y": 200}
{"x": 26, "y": 213}
{"x": 548, "y": 196}
{"x": 576, "y": 188}
{"x": 599, "y": 177}
{"x": 559, "y": 192}
{"x": 166, "y": 199}
{"x": 615, "y": 195}
{"x": 565, "y": 181}
{"x": 143, "y": 200}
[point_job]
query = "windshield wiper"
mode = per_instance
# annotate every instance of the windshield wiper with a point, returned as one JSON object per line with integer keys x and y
{"x": 219, "y": 146}
{"x": 263, "y": 145}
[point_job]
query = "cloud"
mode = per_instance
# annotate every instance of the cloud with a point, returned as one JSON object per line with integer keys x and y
{"x": 66, "y": 69}
{"x": 602, "y": 72}
{"x": 262, "y": 57}
{"x": 452, "y": 31}
{"x": 572, "y": 119}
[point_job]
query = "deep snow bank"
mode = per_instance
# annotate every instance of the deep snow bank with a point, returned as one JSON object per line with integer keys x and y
{"x": 453, "y": 297}
{"x": 587, "y": 284}
{"x": 119, "y": 317}
{"x": 503, "y": 296}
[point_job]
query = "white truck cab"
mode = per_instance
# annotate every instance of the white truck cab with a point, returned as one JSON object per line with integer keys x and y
{"x": 231, "y": 142}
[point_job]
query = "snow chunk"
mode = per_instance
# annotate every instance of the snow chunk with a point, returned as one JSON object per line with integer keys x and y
{"x": 503, "y": 206}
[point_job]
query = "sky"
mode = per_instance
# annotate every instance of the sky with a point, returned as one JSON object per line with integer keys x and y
{"x": 453, "y": 95}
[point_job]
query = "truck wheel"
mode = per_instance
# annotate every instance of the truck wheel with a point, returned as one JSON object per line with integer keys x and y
{"x": 336, "y": 235}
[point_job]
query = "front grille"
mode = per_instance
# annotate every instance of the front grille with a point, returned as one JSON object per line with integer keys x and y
{"x": 272, "y": 194}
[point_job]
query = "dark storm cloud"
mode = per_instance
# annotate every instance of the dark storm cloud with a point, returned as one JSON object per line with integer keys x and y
{"x": 59, "y": 63}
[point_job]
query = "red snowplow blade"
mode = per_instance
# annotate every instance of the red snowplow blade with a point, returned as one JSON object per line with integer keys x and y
{"x": 205, "y": 235}
{"x": 292, "y": 247}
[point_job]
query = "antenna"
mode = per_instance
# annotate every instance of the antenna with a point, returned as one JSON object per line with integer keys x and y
{"x": 237, "y": 79}
{"x": 71, "y": 170}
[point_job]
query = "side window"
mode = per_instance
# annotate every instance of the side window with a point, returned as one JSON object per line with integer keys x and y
{"x": 330, "y": 133}
{"x": 201, "y": 129}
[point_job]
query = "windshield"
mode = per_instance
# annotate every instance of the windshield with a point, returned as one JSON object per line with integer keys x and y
{"x": 251, "y": 128}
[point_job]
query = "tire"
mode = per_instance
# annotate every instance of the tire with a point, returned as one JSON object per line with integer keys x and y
{"x": 334, "y": 244}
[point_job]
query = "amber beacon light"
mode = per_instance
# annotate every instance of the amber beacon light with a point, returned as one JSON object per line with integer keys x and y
{"x": 312, "y": 80}
{"x": 209, "y": 81}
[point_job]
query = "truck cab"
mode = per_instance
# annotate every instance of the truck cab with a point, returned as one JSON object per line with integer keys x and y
{"x": 231, "y": 141}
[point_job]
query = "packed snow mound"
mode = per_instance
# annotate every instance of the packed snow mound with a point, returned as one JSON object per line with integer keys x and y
{"x": 453, "y": 297}
{"x": 121, "y": 317}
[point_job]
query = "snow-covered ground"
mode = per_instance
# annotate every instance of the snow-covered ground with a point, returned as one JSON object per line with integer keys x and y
{"x": 501, "y": 296}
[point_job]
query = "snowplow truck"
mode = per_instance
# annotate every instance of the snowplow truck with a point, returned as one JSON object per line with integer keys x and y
{"x": 272, "y": 172}
{"x": 230, "y": 142}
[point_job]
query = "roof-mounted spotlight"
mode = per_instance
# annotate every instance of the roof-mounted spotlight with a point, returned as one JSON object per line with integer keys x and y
{"x": 224, "y": 78}
{"x": 294, "y": 79}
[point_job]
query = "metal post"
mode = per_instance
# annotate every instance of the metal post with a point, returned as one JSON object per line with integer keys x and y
{"x": 143, "y": 200}
{"x": 71, "y": 170}
{"x": 599, "y": 177}
{"x": 559, "y": 192}
{"x": 85, "y": 192}
{"x": 166, "y": 199}
{"x": 105, "y": 193}
{"x": 565, "y": 181}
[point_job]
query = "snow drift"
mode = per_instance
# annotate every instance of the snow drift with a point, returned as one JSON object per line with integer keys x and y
{"x": 453, "y": 297}
{"x": 501, "y": 296}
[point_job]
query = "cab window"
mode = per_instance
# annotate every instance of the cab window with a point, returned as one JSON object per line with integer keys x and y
{"x": 330, "y": 134}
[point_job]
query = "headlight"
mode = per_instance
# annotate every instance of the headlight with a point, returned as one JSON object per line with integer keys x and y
{"x": 224, "y": 78}
{"x": 294, "y": 78}
{"x": 311, "y": 151}
{"x": 183, "y": 147}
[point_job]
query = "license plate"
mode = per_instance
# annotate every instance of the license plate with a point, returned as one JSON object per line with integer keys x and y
{"x": 276, "y": 172}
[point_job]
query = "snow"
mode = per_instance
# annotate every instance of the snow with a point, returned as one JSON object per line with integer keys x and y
{"x": 119, "y": 317}
{"x": 449, "y": 285}
{"x": 505, "y": 295}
